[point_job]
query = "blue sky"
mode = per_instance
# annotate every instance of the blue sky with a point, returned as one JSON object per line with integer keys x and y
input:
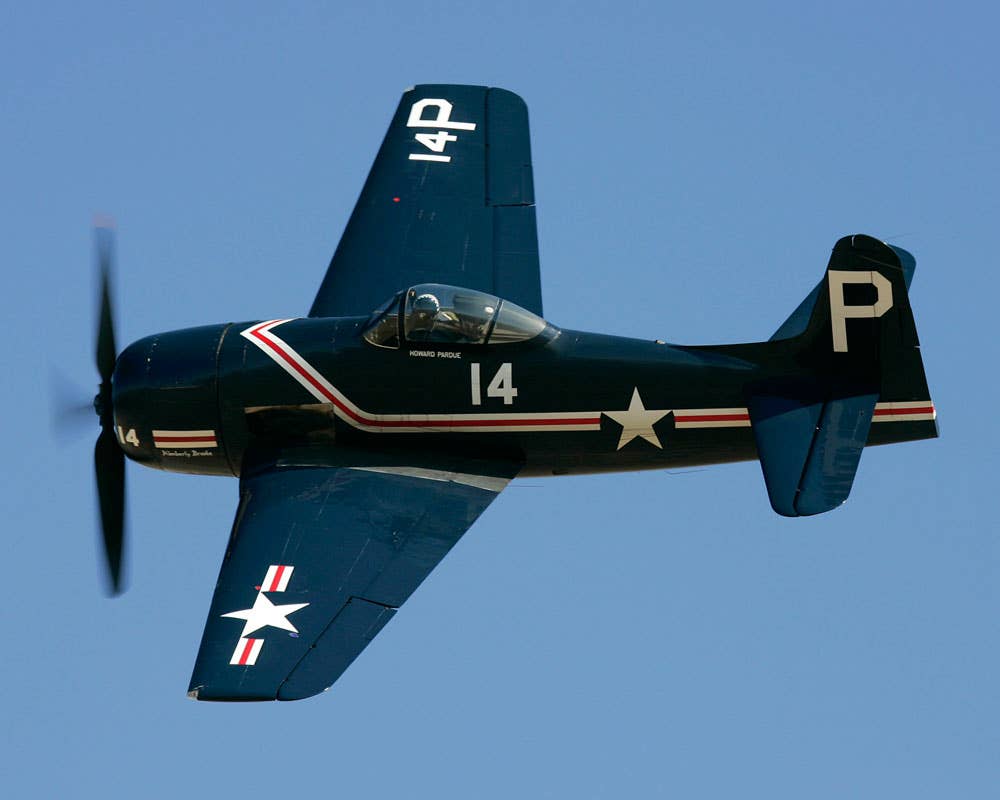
{"x": 634, "y": 635}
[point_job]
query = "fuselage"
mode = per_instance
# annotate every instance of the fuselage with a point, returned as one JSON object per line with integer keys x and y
{"x": 563, "y": 402}
{"x": 209, "y": 400}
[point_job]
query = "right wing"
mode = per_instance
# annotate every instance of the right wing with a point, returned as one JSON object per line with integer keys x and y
{"x": 318, "y": 562}
{"x": 449, "y": 199}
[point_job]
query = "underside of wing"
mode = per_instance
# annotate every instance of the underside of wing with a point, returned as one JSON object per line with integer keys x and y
{"x": 450, "y": 199}
{"x": 318, "y": 562}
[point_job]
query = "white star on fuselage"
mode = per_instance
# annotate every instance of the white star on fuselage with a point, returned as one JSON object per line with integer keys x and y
{"x": 265, "y": 613}
{"x": 636, "y": 421}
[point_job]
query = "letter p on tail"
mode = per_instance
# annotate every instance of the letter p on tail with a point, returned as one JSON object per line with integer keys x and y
{"x": 840, "y": 311}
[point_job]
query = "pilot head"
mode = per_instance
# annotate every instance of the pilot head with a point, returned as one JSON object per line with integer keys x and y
{"x": 425, "y": 308}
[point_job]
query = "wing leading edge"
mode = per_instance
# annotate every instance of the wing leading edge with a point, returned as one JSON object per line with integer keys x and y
{"x": 318, "y": 562}
{"x": 449, "y": 199}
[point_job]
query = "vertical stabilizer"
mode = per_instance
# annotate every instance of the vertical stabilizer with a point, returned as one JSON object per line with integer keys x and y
{"x": 857, "y": 342}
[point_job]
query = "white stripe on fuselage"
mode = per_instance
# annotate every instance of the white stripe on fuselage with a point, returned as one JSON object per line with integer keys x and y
{"x": 311, "y": 380}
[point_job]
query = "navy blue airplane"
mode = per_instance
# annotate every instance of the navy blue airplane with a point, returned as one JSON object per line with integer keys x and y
{"x": 367, "y": 442}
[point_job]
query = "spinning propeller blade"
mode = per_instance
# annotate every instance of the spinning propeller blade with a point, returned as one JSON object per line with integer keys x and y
{"x": 109, "y": 460}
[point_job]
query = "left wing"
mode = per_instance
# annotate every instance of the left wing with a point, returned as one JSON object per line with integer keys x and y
{"x": 319, "y": 560}
{"x": 449, "y": 199}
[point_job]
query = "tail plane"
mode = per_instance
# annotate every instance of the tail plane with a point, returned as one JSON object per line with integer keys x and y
{"x": 859, "y": 379}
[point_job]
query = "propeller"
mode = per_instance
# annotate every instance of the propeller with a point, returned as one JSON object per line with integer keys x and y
{"x": 109, "y": 460}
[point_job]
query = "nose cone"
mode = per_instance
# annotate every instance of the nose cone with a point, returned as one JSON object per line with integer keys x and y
{"x": 165, "y": 391}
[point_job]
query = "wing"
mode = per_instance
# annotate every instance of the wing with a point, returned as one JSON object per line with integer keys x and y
{"x": 318, "y": 562}
{"x": 449, "y": 199}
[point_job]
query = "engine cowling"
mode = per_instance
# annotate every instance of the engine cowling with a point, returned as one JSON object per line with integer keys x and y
{"x": 165, "y": 395}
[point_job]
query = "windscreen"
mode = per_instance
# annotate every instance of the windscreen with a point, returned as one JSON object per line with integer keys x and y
{"x": 434, "y": 312}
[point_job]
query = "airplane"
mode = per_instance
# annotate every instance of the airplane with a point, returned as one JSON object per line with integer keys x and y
{"x": 368, "y": 436}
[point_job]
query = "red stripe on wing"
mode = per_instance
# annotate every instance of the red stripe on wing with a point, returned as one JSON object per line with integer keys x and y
{"x": 276, "y": 582}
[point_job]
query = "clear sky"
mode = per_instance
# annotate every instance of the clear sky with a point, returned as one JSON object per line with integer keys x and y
{"x": 645, "y": 635}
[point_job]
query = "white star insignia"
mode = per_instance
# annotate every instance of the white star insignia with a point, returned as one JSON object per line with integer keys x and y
{"x": 636, "y": 421}
{"x": 265, "y": 613}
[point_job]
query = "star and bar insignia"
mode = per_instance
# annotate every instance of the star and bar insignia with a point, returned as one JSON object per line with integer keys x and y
{"x": 264, "y": 613}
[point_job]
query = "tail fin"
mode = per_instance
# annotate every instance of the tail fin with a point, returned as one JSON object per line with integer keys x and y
{"x": 855, "y": 342}
{"x": 799, "y": 318}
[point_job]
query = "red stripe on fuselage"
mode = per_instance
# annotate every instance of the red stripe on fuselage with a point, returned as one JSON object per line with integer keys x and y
{"x": 402, "y": 423}
{"x": 297, "y": 367}
{"x": 902, "y": 412}
{"x": 712, "y": 417}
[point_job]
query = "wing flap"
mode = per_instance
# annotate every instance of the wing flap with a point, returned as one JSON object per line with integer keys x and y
{"x": 510, "y": 181}
{"x": 356, "y": 624}
{"x": 515, "y": 256}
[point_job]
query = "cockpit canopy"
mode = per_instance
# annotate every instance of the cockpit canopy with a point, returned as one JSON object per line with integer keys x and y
{"x": 433, "y": 312}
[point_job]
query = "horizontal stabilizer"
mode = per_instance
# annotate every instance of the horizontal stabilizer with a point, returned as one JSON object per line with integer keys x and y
{"x": 809, "y": 451}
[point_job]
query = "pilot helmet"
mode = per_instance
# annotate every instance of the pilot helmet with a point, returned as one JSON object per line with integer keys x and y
{"x": 424, "y": 310}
